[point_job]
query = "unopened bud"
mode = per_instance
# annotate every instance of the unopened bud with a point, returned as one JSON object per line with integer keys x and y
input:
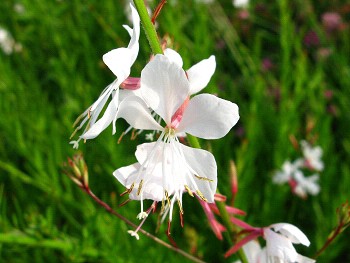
{"x": 234, "y": 181}
{"x": 77, "y": 170}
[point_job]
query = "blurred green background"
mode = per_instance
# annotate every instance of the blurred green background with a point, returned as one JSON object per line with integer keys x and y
{"x": 285, "y": 63}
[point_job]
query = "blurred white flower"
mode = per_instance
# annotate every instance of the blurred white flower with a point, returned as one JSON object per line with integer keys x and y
{"x": 306, "y": 185}
{"x": 19, "y": 8}
{"x": 240, "y": 3}
{"x": 167, "y": 167}
{"x": 7, "y": 43}
{"x": 288, "y": 170}
{"x": 312, "y": 156}
{"x": 119, "y": 61}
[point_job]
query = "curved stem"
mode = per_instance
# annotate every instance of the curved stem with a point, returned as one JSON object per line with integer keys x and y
{"x": 127, "y": 221}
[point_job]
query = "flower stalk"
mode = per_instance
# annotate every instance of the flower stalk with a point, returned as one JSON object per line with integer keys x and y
{"x": 148, "y": 27}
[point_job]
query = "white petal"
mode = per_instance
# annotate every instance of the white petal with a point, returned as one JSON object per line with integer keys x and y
{"x": 134, "y": 110}
{"x": 151, "y": 189}
{"x": 102, "y": 123}
{"x": 119, "y": 61}
{"x": 302, "y": 259}
{"x": 203, "y": 164}
{"x": 200, "y": 74}
{"x": 129, "y": 29}
{"x": 164, "y": 86}
{"x": 209, "y": 117}
{"x": 134, "y": 41}
{"x": 279, "y": 246}
{"x": 173, "y": 56}
{"x": 252, "y": 249}
{"x": 292, "y": 233}
{"x": 124, "y": 174}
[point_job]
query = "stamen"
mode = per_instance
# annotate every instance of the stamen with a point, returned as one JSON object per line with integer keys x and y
{"x": 167, "y": 197}
{"x": 133, "y": 135}
{"x": 189, "y": 190}
{"x": 203, "y": 178}
{"x": 182, "y": 220}
{"x": 140, "y": 187}
{"x": 121, "y": 137}
{"x": 128, "y": 191}
{"x": 199, "y": 193}
{"x": 163, "y": 207}
{"x": 180, "y": 207}
{"x": 125, "y": 202}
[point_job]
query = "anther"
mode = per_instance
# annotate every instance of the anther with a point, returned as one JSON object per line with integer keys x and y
{"x": 167, "y": 197}
{"x": 189, "y": 190}
{"x": 203, "y": 178}
{"x": 125, "y": 202}
{"x": 199, "y": 193}
{"x": 180, "y": 207}
{"x": 140, "y": 187}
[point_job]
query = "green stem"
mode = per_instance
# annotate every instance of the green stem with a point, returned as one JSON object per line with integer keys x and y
{"x": 153, "y": 40}
{"x": 148, "y": 27}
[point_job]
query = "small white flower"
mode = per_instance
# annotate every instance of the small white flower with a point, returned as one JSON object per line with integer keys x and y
{"x": 168, "y": 168}
{"x": 288, "y": 170}
{"x": 306, "y": 185}
{"x": 119, "y": 61}
{"x": 149, "y": 136}
{"x": 7, "y": 42}
{"x": 312, "y": 156}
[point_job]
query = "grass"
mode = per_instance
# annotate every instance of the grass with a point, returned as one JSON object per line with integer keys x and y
{"x": 44, "y": 217}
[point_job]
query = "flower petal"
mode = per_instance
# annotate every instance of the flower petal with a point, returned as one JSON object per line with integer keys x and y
{"x": 209, "y": 117}
{"x": 279, "y": 246}
{"x": 119, "y": 61}
{"x": 203, "y": 164}
{"x": 151, "y": 189}
{"x": 293, "y": 233}
{"x": 200, "y": 74}
{"x": 134, "y": 110}
{"x": 102, "y": 123}
{"x": 164, "y": 86}
{"x": 173, "y": 56}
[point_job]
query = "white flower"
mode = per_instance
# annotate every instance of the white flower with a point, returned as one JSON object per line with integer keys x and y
{"x": 288, "y": 170}
{"x": 305, "y": 185}
{"x": 119, "y": 61}
{"x": 240, "y": 3}
{"x": 279, "y": 243}
{"x": 312, "y": 156}
{"x": 166, "y": 167}
{"x": 7, "y": 43}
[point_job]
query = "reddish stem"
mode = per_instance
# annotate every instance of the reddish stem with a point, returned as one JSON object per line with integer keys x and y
{"x": 128, "y": 222}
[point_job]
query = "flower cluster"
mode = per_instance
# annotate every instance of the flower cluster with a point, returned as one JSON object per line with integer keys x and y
{"x": 160, "y": 101}
{"x": 293, "y": 172}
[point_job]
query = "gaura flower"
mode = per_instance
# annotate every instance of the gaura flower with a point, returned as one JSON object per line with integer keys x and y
{"x": 287, "y": 172}
{"x": 312, "y": 156}
{"x": 305, "y": 185}
{"x": 166, "y": 167}
{"x": 279, "y": 244}
{"x": 119, "y": 61}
